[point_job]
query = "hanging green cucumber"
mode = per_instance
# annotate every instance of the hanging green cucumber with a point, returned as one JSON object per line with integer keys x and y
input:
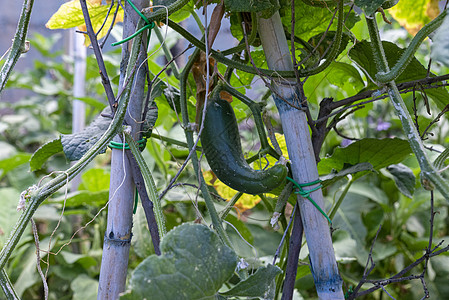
{"x": 220, "y": 140}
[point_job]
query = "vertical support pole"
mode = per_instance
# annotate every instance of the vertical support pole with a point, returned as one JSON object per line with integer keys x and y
{"x": 323, "y": 264}
{"x": 117, "y": 241}
{"x": 79, "y": 89}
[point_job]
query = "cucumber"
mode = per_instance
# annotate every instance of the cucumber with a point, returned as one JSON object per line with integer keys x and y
{"x": 221, "y": 144}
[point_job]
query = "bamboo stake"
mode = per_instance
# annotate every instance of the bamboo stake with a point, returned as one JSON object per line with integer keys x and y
{"x": 114, "y": 264}
{"x": 321, "y": 253}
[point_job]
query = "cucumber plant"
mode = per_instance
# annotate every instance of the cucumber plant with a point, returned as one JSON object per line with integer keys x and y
{"x": 293, "y": 47}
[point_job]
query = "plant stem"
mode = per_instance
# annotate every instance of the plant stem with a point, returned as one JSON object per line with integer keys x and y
{"x": 18, "y": 44}
{"x": 98, "y": 55}
{"x": 293, "y": 254}
{"x": 428, "y": 172}
{"x": 167, "y": 52}
{"x": 340, "y": 199}
{"x": 151, "y": 185}
{"x": 7, "y": 286}
{"x": 407, "y": 56}
{"x": 294, "y": 123}
{"x": 333, "y": 52}
{"x": 161, "y": 13}
{"x": 224, "y": 213}
{"x": 224, "y": 60}
{"x": 37, "y": 195}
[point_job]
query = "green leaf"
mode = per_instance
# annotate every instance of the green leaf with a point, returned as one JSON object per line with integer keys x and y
{"x": 403, "y": 178}
{"x": 172, "y": 96}
{"x": 9, "y": 198}
{"x": 84, "y": 288}
{"x": 84, "y": 260}
{"x": 323, "y": 44}
{"x": 141, "y": 241}
{"x": 12, "y": 162}
{"x": 414, "y": 14}
{"x": 439, "y": 161}
{"x": 440, "y": 45}
{"x": 241, "y": 227}
{"x": 27, "y": 270}
{"x": 259, "y": 284}
{"x": 181, "y": 14}
{"x": 75, "y": 145}
{"x": 349, "y": 218}
{"x": 342, "y": 73}
{"x": 92, "y": 102}
{"x": 95, "y": 180}
{"x": 20, "y": 178}
{"x": 249, "y": 6}
{"x": 378, "y": 152}
{"x": 389, "y": 4}
{"x": 150, "y": 119}
{"x": 44, "y": 153}
{"x": 373, "y": 219}
{"x": 81, "y": 198}
{"x": 70, "y": 15}
{"x": 371, "y": 192}
{"x": 194, "y": 264}
{"x": 314, "y": 20}
{"x": 362, "y": 54}
{"x": 369, "y": 6}
{"x": 321, "y": 3}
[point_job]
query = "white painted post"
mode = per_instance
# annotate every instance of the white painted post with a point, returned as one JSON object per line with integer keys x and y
{"x": 79, "y": 89}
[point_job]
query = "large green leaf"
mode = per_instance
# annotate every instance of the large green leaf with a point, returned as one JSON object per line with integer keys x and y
{"x": 76, "y": 144}
{"x": 251, "y": 6}
{"x": 362, "y": 54}
{"x": 70, "y": 15}
{"x": 379, "y": 153}
{"x": 260, "y": 284}
{"x": 179, "y": 15}
{"x": 95, "y": 180}
{"x": 194, "y": 265}
{"x": 12, "y": 162}
{"x": 84, "y": 260}
{"x": 414, "y": 14}
{"x": 26, "y": 268}
{"x": 369, "y": 6}
{"x": 80, "y": 198}
{"x": 341, "y": 73}
{"x": 404, "y": 178}
{"x": 141, "y": 241}
{"x": 314, "y": 20}
{"x": 84, "y": 288}
{"x": 9, "y": 198}
{"x": 45, "y": 152}
{"x": 241, "y": 228}
{"x": 349, "y": 218}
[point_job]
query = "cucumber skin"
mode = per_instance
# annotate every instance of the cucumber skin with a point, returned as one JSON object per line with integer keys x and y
{"x": 220, "y": 140}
